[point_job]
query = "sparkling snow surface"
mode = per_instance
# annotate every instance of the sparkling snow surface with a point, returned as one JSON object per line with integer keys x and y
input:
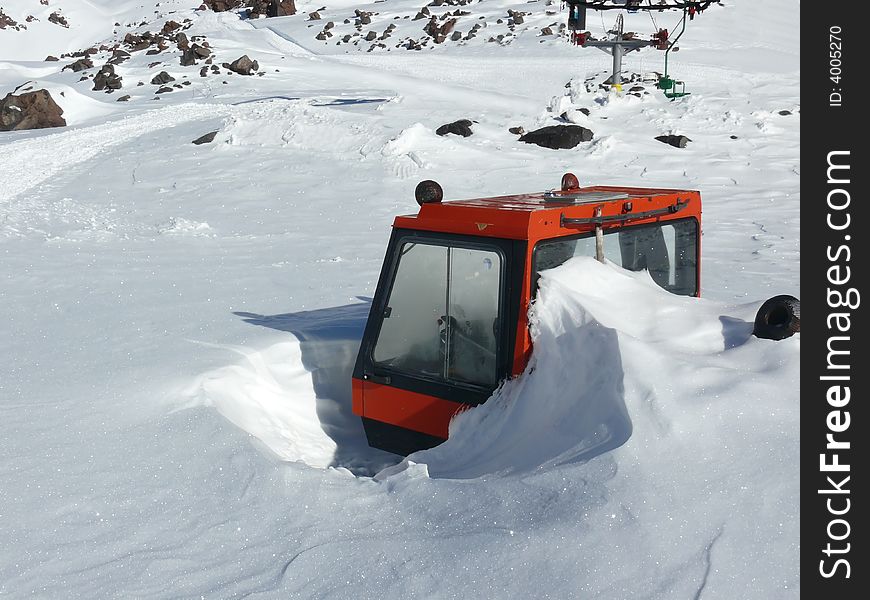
{"x": 181, "y": 320}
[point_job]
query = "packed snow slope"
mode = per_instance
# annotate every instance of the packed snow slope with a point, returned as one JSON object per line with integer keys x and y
{"x": 181, "y": 320}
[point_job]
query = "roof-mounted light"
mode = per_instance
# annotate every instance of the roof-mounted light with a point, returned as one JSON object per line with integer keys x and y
{"x": 428, "y": 191}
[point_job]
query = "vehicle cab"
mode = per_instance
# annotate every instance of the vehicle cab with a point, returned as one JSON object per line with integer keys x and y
{"x": 449, "y": 318}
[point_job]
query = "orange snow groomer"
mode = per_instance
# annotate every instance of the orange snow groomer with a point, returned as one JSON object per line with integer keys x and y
{"x": 449, "y": 319}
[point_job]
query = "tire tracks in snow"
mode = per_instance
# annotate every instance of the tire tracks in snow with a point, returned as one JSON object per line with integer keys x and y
{"x": 29, "y": 162}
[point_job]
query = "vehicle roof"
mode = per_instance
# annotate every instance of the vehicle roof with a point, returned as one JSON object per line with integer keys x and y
{"x": 538, "y": 215}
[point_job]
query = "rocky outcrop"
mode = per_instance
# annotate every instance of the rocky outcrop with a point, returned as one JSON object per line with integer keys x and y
{"x": 32, "y": 110}
{"x": 58, "y": 19}
{"x": 222, "y": 5}
{"x": 256, "y": 8}
{"x": 80, "y": 65}
{"x": 8, "y": 22}
{"x": 106, "y": 79}
{"x": 281, "y": 8}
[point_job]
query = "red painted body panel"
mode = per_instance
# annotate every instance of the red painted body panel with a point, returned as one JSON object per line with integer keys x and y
{"x": 409, "y": 410}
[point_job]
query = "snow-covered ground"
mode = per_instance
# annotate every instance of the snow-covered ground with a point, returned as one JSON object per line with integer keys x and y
{"x": 182, "y": 319}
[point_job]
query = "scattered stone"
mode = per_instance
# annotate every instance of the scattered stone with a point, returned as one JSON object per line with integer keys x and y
{"x": 182, "y": 41}
{"x": 637, "y": 88}
{"x": 785, "y": 113}
{"x": 558, "y": 137}
{"x": 370, "y": 36}
{"x": 517, "y": 130}
{"x": 163, "y": 90}
{"x": 733, "y": 137}
{"x": 546, "y": 31}
{"x": 123, "y": 98}
{"x": 203, "y": 72}
{"x": 457, "y": 35}
{"x": 315, "y": 16}
{"x": 461, "y": 127}
{"x": 31, "y": 110}
{"x": 51, "y": 58}
{"x": 677, "y": 141}
{"x": 162, "y": 78}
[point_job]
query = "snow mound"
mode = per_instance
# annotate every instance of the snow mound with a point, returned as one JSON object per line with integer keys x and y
{"x": 271, "y": 396}
{"x": 296, "y": 123}
{"x": 613, "y": 353}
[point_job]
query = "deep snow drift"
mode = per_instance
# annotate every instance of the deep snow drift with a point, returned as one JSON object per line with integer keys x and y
{"x": 181, "y": 320}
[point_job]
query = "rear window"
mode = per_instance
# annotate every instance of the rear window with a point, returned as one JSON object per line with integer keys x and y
{"x": 668, "y": 250}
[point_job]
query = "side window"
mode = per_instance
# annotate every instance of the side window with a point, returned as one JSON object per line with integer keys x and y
{"x": 668, "y": 251}
{"x": 441, "y": 319}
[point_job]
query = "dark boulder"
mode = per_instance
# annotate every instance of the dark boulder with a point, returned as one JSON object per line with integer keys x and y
{"x": 58, "y": 19}
{"x": 677, "y": 141}
{"x": 118, "y": 56}
{"x": 222, "y": 5}
{"x": 281, "y": 8}
{"x": 169, "y": 27}
{"x": 558, "y": 137}
{"x": 107, "y": 79}
{"x": 200, "y": 51}
{"x": 80, "y": 65}
{"x": 161, "y": 78}
{"x": 188, "y": 58}
{"x": 205, "y": 139}
{"x": 32, "y": 110}
{"x": 461, "y": 127}
{"x": 244, "y": 65}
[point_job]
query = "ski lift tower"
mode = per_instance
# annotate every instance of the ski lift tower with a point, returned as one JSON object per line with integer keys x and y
{"x": 620, "y": 43}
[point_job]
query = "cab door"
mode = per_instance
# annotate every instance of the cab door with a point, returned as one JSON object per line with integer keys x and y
{"x": 439, "y": 336}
